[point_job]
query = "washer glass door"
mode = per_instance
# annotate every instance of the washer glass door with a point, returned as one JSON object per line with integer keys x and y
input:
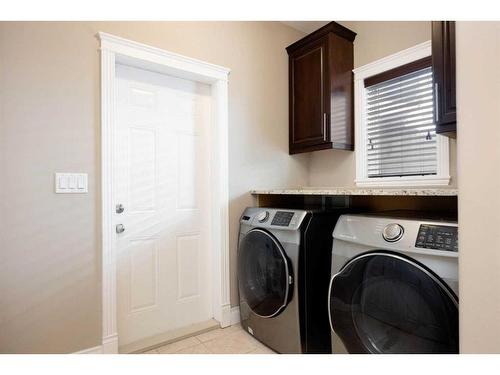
{"x": 382, "y": 302}
{"x": 263, "y": 273}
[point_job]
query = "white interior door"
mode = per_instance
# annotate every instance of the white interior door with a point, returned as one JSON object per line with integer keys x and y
{"x": 162, "y": 181}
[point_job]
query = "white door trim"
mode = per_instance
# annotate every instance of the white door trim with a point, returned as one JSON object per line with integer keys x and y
{"x": 118, "y": 50}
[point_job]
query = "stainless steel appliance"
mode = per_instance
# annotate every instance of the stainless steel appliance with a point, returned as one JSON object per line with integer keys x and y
{"x": 284, "y": 261}
{"x": 394, "y": 285}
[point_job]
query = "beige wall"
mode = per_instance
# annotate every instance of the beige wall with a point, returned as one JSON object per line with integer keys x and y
{"x": 49, "y": 121}
{"x": 478, "y": 98}
{"x": 49, "y": 82}
{"x": 374, "y": 41}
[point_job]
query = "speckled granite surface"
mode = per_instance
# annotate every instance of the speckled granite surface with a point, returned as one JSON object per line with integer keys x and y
{"x": 361, "y": 191}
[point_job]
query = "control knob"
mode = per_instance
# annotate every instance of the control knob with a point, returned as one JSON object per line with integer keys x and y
{"x": 392, "y": 232}
{"x": 262, "y": 216}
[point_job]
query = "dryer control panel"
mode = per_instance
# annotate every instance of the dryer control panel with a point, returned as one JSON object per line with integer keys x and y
{"x": 437, "y": 237}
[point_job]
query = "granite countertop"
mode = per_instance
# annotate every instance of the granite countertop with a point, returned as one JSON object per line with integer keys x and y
{"x": 360, "y": 191}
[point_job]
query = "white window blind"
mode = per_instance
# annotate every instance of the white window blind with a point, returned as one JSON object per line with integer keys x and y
{"x": 401, "y": 134}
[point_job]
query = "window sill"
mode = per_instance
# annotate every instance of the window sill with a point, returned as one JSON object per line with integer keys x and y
{"x": 409, "y": 181}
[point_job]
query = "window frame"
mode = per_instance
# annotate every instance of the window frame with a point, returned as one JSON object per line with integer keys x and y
{"x": 407, "y": 56}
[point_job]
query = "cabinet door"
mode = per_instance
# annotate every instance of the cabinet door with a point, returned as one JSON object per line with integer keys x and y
{"x": 341, "y": 93}
{"x": 443, "y": 65}
{"x": 309, "y": 100}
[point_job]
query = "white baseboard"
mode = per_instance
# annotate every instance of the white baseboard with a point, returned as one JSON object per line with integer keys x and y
{"x": 231, "y": 316}
{"x": 235, "y": 315}
{"x": 110, "y": 344}
{"x": 94, "y": 350}
{"x": 226, "y": 316}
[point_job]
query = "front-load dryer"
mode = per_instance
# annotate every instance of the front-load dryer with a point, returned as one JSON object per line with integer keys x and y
{"x": 394, "y": 285}
{"x": 284, "y": 258}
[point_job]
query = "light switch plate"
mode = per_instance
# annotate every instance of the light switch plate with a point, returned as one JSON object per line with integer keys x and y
{"x": 71, "y": 183}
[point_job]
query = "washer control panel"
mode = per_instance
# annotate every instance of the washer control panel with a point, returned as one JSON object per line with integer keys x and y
{"x": 437, "y": 237}
{"x": 273, "y": 218}
{"x": 262, "y": 216}
{"x": 282, "y": 218}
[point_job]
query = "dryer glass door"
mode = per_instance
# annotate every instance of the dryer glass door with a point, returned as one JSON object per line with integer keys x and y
{"x": 263, "y": 273}
{"x": 382, "y": 302}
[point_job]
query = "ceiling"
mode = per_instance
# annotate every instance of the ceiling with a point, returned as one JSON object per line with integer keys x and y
{"x": 306, "y": 26}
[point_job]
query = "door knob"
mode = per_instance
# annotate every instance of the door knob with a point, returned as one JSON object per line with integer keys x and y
{"x": 119, "y": 208}
{"x": 120, "y": 228}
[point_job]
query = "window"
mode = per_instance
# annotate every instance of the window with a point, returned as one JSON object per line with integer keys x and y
{"x": 396, "y": 141}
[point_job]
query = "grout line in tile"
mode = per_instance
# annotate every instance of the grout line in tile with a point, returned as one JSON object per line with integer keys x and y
{"x": 197, "y": 339}
{"x": 224, "y": 333}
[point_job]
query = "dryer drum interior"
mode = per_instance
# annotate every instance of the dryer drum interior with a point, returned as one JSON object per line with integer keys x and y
{"x": 264, "y": 273}
{"x": 383, "y": 302}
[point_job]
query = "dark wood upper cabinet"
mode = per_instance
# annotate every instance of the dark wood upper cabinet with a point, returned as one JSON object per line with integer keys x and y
{"x": 321, "y": 90}
{"x": 443, "y": 67}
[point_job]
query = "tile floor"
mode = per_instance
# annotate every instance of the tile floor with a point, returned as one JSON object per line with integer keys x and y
{"x": 230, "y": 340}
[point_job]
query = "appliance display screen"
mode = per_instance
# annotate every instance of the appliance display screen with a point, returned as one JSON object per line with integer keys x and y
{"x": 282, "y": 218}
{"x": 437, "y": 237}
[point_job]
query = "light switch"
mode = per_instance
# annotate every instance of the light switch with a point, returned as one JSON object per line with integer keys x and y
{"x": 82, "y": 181}
{"x": 71, "y": 183}
{"x": 63, "y": 182}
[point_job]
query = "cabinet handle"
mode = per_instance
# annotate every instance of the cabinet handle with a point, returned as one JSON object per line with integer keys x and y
{"x": 324, "y": 126}
{"x": 436, "y": 102}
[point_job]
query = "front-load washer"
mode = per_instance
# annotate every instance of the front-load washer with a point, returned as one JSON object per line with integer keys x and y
{"x": 284, "y": 259}
{"x": 394, "y": 285}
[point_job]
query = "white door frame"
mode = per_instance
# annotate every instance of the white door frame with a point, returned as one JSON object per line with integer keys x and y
{"x": 118, "y": 50}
